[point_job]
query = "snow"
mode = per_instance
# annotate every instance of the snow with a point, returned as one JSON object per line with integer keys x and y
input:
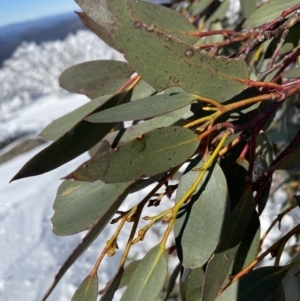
{"x": 36, "y": 115}
{"x": 33, "y": 70}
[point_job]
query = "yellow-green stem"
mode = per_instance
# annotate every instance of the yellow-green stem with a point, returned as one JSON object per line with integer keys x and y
{"x": 139, "y": 209}
{"x": 191, "y": 190}
{"x": 108, "y": 244}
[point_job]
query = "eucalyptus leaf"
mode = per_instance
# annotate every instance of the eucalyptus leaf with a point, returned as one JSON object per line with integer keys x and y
{"x": 65, "y": 123}
{"x": 172, "y": 281}
{"x": 192, "y": 68}
{"x": 291, "y": 73}
{"x": 152, "y": 153}
{"x": 247, "y": 7}
{"x": 113, "y": 285}
{"x": 213, "y": 38}
{"x": 259, "y": 284}
{"x": 283, "y": 132}
{"x": 143, "y": 109}
{"x": 88, "y": 289}
{"x": 223, "y": 258}
{"x": 291, "y": 41}
{"x": 142, "y": 90}
{"x": 263, "y": 148}
{"x": 278, "y": 294}
{"x": 195, "y": 295}
{"x": 263, "y": 156}
{"x": 79, "y": 205}
{"x": 199, "y": 224}
{"x": 249, "y": 246}
{"x": 289, "y": 157}
{"x": 78, "y": 140}
{"x": 128, "y": 273}
{"x": 96, "y": 78}
{"x": 263, "y": 159}
{"x": 268, "y": 12}
{"x": 119, "y": 137}
{"x": 96, "y": 29}
{"x": 220, "y": 13}
{"x": 98, "y": 11}
{"x": 154, "y": 29}
{"x": 237, "y": 170}
{"x": 192, "y": 285}
{"x": 199, "y": 6}
{"x": 123, "y": 136}
{"x": 149, "y": 277}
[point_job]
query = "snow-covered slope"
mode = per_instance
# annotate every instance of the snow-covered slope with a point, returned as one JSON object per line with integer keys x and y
{"x": 33, "y": 70}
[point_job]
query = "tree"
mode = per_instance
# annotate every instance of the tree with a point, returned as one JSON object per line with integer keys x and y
{"x": 208, "y": 96}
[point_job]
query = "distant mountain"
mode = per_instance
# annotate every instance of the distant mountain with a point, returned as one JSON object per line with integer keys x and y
{"x": 45, "y": 29}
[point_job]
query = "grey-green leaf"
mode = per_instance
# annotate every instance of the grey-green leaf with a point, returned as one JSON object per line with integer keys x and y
{"x": 222, "y": 259}
{"x": 83, "y": 136}
{"x": 169, "y": 43}
{"x": 172, "y": 281}
{"x": 291, "y": 41}
{"x": 199, "y": 224}
{"x": 259, "y": 284}
{"x": 120, "y": 280}
{"x": 143, "y": 108}
{"x": 142, "y": 90}
{"x": 278, "y": 294}
{"x": 149, "y": 277}
{"x": 88, "y": 289}
{"x": 198, "y": 6}
{"x": 220, "y": 13}
{"x": 289, "y": 157}
{"x": 113, "y": 285}
{"x": 65, "y": 123}
{"x": 247, "y": 7}
{"x": 96, "y": 78}
{"x": 248, "y": 248}
{"x": 128, "y": 273}
{"x": 291, "y": 73}
{"x": 122, "y": 136}
{"x": 97, "y": 10}
{"x": 268, "y": 12}
{"x": 152, "y": 153}
{"x": 138, "y": 26}
{"x": 192, "y": 285}
{"x": 96, "y": 29}
{"x": 79, "y": 205}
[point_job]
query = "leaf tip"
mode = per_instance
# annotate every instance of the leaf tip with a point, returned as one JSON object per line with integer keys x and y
{"x": 69, "y": 177}
{"x": 17, "y": 176}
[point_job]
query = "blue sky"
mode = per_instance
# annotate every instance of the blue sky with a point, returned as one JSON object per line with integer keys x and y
{"x": 14, "y": 11}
